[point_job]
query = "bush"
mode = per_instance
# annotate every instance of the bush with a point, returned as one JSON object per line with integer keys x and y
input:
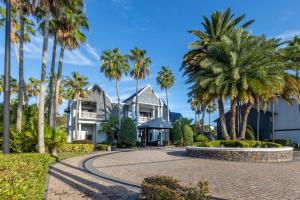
{"x": 103, "y": 147}
{"x": 87, "y": 148}
{"x": 82, "y": 142}
{"x": 127, "y": 132}
{"x": 249, "y": 135}
{"x": 168, "y": 188}
{"x": 200, "y": 138}
{"x": 187, "y": 135}
{"x": 283, "y": 142}
{"x": 176, "y": 135}
{"x": 23, "y": 176}
{"x": 238, "y": 143}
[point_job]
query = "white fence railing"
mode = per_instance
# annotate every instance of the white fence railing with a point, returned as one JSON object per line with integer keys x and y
{"x": 88, "y": 115}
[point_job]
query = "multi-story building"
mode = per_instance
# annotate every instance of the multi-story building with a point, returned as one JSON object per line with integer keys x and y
{"x": 97, "y": 107}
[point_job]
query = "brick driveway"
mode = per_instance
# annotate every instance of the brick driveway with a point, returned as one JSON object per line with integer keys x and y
{"x": 228, "y": 180}
{"x": 67, "y": 181}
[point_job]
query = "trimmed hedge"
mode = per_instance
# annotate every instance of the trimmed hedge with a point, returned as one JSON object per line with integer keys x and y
{"x": 103, "y": 147}
{"x": 23, "y": 176}
{"x": 200, "y": 138}
{"x": 82, "y": 142}
{"x": 238, "y": 143}
{"x": 168, "y": 188}
{"x": 87, "y": 148}
{"x": 127, "y": 133}
{"x": 187, "y": 134}
{"x": 283, "y": 142}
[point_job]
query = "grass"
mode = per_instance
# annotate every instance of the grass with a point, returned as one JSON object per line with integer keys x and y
{"x": 65, "y": 155}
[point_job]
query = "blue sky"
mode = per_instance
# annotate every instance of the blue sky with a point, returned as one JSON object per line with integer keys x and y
{"x": 160, "y": 27}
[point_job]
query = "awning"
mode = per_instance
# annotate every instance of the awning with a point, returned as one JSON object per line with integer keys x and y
{"x": 158, "y": 123}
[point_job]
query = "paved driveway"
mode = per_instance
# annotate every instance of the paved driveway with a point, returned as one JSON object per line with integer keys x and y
{"x": 228, "y": 180}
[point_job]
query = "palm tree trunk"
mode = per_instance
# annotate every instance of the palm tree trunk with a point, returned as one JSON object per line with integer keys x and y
{"x": 168, "y": 112}
{"x": 136, "y": 104}
{"x": 51, "y": 84}
{"x": 246, "y": 111}
{"x": 57, "y": 86}
{"x": 119, "y": 109}
{"x": 6, "y": 111}
{"x": 209, "y": 123}
{"x": 273, "y": 121}
{"x": 232, "y": 119}
{"x": 76, "y": 118}
{"x": 41, "y": 139}
{"x": 222, "y": 118}
{"x": 258, "y": 119}
{"x": 21, "y": 75}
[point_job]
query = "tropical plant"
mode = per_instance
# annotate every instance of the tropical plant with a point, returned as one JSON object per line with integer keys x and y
{"x": 219, "y": 24}
{"x": 76, "y": 90}
{"x": 139, "y": 71}
{"x": 32, "y": 88}
{"x": 114, "y": 66}
{"x": 165, "y": 79}
{"x": 110, "y": 128}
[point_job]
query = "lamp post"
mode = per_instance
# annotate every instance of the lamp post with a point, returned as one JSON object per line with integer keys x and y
{"x": 6, "y": 113}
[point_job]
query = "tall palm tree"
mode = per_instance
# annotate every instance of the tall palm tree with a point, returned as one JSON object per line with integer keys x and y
{"x": 74, "y": 23}
{"x": 75, "y": 90}
{"x": 114, "y": 66}
{"x": 219, "y": 24}
{"x": 32, "y": 89}
{"x": 211, "y": 107}
{"x": 165, "y": 79}
{"x": 139, "y": 71}
{"x": 6, "y": 106}
{"x": 48, "y": 8}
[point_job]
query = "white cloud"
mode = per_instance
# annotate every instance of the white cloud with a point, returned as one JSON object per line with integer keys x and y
{"x": 92, "y": 51}
{"x": 288, "y": 34}
{"x": 127, "y": 79}
{"x": 34, "y": 50}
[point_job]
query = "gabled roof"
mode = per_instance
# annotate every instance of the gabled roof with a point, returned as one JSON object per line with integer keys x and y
{"x": 96, "y": 86}
{"x": 132, "y": 96}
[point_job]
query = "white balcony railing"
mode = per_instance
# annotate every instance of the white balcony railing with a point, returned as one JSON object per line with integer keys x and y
{"x": 144, "y": 119}
{"x": 88, "y": 115}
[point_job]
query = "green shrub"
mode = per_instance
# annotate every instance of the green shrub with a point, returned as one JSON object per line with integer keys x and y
{"x": 176, "y": 135}
{"x": 187, "y": 134}
{"x": 200, "y": 138}
{"x": 249, "y": 135}
{"x": 127, "y": 132}
{"x": 168, "y": 188}
{"x": 23, "y": 176}
{"x": 283, "y": 142}
{"x": 103, "y": 147}
{"x": 238, "y": 143}
{"x": 82, "y": 142}
{"x": 87, "y": 148}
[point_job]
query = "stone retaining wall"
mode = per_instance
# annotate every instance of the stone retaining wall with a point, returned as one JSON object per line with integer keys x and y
{"x": 243, "y": 154}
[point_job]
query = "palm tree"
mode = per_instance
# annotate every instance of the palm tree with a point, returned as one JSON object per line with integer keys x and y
{"x": 71, "y": 39}
{"x": 114, "y": 66}
{"x": 165, "y": 79}
{"x": 75, "y": 90}
{"x": 6, "y": 106}
{"x": 139, "y": 71}
{"x": 211, "y": 107}
{"x": 32, "y": 89}
{"x": 48, "y": 7}
{"x": 219, "y": 24}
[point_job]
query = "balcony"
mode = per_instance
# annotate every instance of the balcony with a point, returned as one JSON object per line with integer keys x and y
{"x": 88, "y": 115}
{"x": 143, "y": 119}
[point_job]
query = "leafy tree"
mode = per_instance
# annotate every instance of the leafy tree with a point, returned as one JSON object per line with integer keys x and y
{"x": 165, "y": 79}
{"x": 141, "y": 68}
{"x": 176, "y": 135}
{"x": 127, "y": 132}
{"x": 114, "y": 66}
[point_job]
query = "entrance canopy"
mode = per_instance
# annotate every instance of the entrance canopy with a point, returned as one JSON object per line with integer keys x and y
{"x": 158, "y": 123}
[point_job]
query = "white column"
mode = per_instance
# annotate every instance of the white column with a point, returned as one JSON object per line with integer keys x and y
{"x": 153, "y": 112}
{"x": 138, "y": 113}
{"x": 79, "y": 131}
{"x": 79, "y": 109}
{"x": 162, "y": 111}
{"x": 133, "y": 111}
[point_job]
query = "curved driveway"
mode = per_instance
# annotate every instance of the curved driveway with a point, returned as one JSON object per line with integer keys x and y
{"x": 227, "y": 180}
